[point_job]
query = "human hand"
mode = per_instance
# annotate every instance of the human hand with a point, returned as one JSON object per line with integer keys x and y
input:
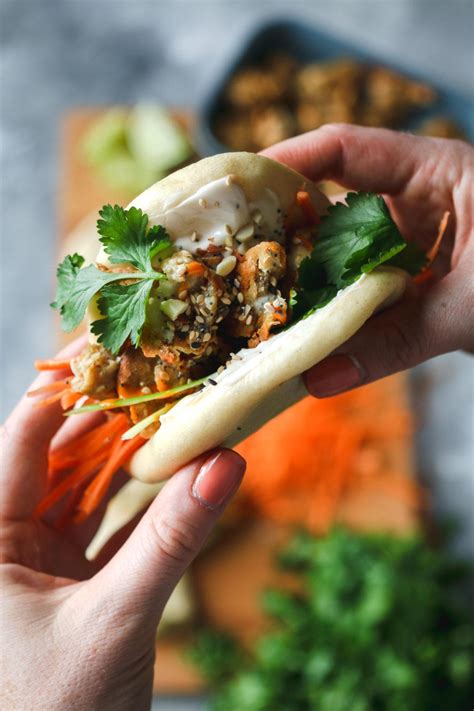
{"x": 78, "y": 636}
{"x": 420, "y": 178}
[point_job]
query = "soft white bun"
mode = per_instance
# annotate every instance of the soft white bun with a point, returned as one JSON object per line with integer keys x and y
{"x": 263, "y": 381}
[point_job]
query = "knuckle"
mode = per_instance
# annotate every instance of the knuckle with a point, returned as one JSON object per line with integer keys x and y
{"x": 400, "y": 347}
{"x": 175, "y": 540}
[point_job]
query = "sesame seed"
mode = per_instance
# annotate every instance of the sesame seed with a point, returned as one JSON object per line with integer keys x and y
{"x": 226, "y": 301}
{"x": 229, "y": 181}
{"x": 194, "y": 237}
{"x": 182, "y": 294}
{"x": 206, "y": 337}
{"x": 248, "y": 320}
{"x": 200, "y": 299}
{"x": 185, "y": 327}
{"x": 146, "y": 390}
{"x": 209, "y": 350}
{"x": 240, "y": 297}
{"x": 193, "y": 335}
{"x": 199, "y": 319}
{"x": 296, "y": 240}
{"x": 202, "y": 202}
{"x": 236, "y": 283}
{"x": 220, "y": 369}
{"x": 241, "y": 317}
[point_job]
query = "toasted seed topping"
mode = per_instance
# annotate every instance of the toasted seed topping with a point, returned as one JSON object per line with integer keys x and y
{"x": 248, "y": 320}
{"x": 240, "y": 297}
{"x": 202, "y": 202}
{"x": 206, "y": 337}
{"x": 226, "y": 265}
{"x": 226, "y": 301}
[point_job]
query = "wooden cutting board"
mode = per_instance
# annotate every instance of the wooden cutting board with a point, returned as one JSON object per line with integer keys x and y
{"x": 230, "y": 575}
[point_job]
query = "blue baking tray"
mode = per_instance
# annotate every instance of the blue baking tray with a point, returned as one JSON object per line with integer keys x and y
{"x": 307, "y": 44}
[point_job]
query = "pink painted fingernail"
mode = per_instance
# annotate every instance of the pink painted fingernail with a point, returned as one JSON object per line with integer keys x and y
{"x": 218, "y": 478}
{"x": 334, "y": 375}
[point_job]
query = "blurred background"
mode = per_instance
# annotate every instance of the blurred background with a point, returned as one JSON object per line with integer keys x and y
{"x": 100, "y": 98}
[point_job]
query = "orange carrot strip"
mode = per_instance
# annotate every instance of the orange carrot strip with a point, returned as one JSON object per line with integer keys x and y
{"x": 195, "y": 268}
{"x": 89, "y": 443}
{"x": 50, "y": 400}
{"x": 303, "y": 199}
{"x": 93, "y": 495}
{"x": 53, "y": 364}
{"x": 50, "y": 388}
{"x": 69, "y": 399}
{"x": 432, "y": 253}
{"x": 77, "y": 477}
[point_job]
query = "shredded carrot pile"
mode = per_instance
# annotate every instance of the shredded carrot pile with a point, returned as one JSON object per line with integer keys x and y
{"x": 303, "y": 465}
{"x": 92, "y": 458}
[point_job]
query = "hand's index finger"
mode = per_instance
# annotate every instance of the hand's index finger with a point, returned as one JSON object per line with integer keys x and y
{"x": 26, "y": 436}
{"x": 371, "y": 159}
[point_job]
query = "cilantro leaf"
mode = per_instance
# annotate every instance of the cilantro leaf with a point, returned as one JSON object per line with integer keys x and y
{"x": 76, "y": 287}
{"x": 124, "y": 309}
{"x": 412, "y": 259}
{"x": 354, "y": 239}
{"x": 127, "y": 238}
{"x": 66, "y": 274}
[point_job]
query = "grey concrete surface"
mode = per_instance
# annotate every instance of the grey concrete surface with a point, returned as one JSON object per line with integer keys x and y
{"x": 55, "y": 55}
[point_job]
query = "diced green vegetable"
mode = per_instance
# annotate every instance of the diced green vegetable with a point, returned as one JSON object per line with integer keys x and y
{"x": 173, "y": 308}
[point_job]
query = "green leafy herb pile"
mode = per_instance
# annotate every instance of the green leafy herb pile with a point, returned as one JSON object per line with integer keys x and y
{"x": 126, "y": 237}
{"x": 353, "y": 239}
{"x": 375, "y": 628}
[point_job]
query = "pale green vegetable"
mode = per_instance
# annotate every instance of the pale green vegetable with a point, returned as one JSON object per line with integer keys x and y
{"x": 173, "y": 308}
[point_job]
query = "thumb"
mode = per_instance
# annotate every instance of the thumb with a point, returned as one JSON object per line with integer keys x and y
{"x": 136, "y": 584}
{"x": 405, "y": 335}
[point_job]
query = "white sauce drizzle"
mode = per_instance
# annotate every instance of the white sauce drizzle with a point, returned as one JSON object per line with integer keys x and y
{"x": 214, "y": 213}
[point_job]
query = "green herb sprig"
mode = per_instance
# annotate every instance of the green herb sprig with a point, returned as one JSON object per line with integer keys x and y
{"x": 122, "y": 296}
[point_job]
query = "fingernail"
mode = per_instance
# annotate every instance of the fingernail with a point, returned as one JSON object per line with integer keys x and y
{"x": 334, "y": 375}
{"x": 218, "y": 478}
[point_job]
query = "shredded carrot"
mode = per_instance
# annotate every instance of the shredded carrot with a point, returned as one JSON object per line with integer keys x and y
{"x": 69, "y": 399}
{"x": 128, "y": 391}
{"x": 91, "y": 442}
{"x": 100, "y": 450}
{"x": 195, "y": 269}
{"x": 79, "y": 475}
{"x": 303, "y": 466}
{"x": 52, "y": 399}
{"x": 303, "y": 199}
{"x": 162, "y": 385}
{"x": 49, "y": 388}
{"x": 53, "y": 364}
{"x": 95, "y": 492}
{"x": 426, "y": 273}
{"x": 433, "y": 252}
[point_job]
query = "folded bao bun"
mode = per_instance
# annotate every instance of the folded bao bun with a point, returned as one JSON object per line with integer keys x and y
{"x": 261, "y": 382}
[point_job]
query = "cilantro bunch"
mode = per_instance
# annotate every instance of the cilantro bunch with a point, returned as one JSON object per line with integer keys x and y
{"x": 353, "y": 239}
{"x": 377, "y": 625}
{"x": 126, "y": 238}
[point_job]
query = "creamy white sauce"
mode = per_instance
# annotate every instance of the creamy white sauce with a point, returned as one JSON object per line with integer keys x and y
{"x": 214, "y": 214}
